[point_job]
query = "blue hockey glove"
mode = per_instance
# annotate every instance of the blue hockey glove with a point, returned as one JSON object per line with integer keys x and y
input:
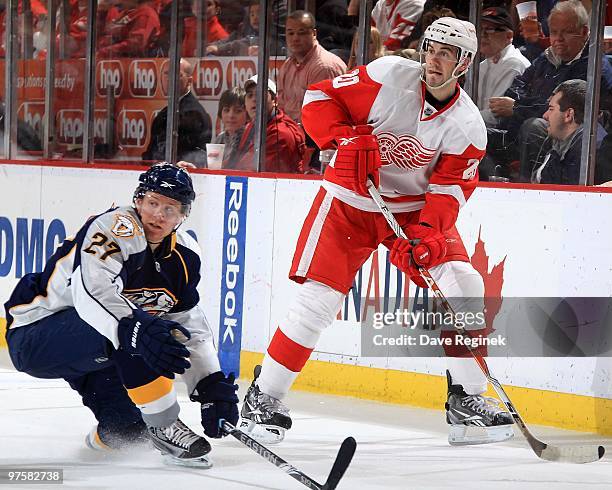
{"x": 151, "y": 337}
{"x": 219, "y": 400}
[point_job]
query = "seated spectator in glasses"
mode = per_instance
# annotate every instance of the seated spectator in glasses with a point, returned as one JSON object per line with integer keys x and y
{"x": 375, "y": 49}
{"x": 395, "y": 20}
{"x": 521, "y": 128}
{"x": 212, "y": 30}
{"x": 285, "y": 145}
{"x": 503, "y": 62}
{"x": 242, "y": 42}
{"x": 133, "y": 34}
{"x": 308, "y": 63}
{"x": 559, "y": 159}
{"x": 233, "y": 115}
{"x": 194, "y": 124}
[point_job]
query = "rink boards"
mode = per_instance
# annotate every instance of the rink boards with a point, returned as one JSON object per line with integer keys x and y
{"x": 536, "y": 242}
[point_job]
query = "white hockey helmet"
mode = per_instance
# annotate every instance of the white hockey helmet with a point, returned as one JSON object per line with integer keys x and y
{"x": 454, "y": 32}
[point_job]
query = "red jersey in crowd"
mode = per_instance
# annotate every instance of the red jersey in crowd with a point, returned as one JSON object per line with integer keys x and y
{"x": 285, "y": 146}
{"x": 133, "y": 34}
{"x": 213, "y": 29}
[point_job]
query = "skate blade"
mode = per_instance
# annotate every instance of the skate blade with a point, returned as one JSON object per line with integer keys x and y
{"x": 458, "y": 435}
{"x": 93, "y": 441}
{"x": 266, "y": 434}
{"x": 202, "y": 462}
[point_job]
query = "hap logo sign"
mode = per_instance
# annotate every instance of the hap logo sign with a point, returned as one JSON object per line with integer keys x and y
{"x": 33, "y": 113}
{"x": 101, "y": 123}
{"x": 232, "y": 274}
{"x": 208, "y": 78}
{"x": 238, "y": 72}
{"x": 142, "y": 78}
{"x": 70, "y": 124}
{"x": 132, "y": 128}
{"x": 109, "y": 73}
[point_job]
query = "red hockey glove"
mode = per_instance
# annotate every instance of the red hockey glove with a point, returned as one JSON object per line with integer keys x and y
{"x": 428, "y": 252}
{"x": 358, "y": 158}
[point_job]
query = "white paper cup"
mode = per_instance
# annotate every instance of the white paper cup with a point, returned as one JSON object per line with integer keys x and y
{"x": 528, "y": 15}
{"x": 607, "y": 32}
{"x": 527, "y": 9}
{"x": 214, "y": 155}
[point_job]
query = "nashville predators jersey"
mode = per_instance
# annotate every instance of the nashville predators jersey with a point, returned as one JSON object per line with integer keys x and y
{"x": 107, "y": 270}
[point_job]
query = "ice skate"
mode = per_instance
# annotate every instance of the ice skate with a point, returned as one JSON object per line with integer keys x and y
{"x": 475, "y": 419}
{"x": 180, "y": 445}
{"x": 264, "y": 417}
{"x": 126, "y": 438}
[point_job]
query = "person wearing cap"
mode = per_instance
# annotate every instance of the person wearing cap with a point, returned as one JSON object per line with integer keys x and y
{"x": 285, "y": 140}
{"x": 503, "y": 62}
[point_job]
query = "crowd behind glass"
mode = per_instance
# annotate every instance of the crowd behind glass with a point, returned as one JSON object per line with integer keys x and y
{"x": 533, "y": 79}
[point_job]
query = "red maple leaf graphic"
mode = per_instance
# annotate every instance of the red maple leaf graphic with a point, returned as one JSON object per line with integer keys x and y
{"x": 493, "y": 282}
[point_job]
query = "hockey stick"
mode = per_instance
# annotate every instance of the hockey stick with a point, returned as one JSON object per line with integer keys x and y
{"x": 564, "y": 453}
{"x": 343, "y": 459}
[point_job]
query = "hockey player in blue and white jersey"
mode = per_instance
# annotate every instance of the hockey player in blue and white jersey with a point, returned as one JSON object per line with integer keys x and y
{"x": 107, "y": 312}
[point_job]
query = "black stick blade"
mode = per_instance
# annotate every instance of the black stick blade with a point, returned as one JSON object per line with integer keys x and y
{"x": 343, "y": 460}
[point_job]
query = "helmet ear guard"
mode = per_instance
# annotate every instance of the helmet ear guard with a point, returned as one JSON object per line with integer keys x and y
{"x": 169, "y": 181}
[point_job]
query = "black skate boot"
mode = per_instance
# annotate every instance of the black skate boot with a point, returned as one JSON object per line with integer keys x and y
{"x": 264, "y": 417}
{"x": 103, "y": 438}
{"x": 180, "y": 445}
{"x": 482, "y": 415}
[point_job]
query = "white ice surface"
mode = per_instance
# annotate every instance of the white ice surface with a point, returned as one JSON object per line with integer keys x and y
{"x": 42, "y": 424}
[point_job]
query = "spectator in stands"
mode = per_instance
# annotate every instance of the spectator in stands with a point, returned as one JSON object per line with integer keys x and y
{"x": 233, "y": 115}
{"x": 194, "y": 124}
{"x": 558, "y": 161}
{"x": 133, "y": 34}
{"x": 375, "y": 49}
{"x": 231, "y": 15}
{"x": 503, "y": 62}
{"x": 429, "y": 16}
{"x": 335, "y": 27}
{"x": 395, "y": 20}
{"x": 242, "y": 42}
{"x": 522, "y": 129}
{"x": 38, "y": 16}
{"x": 285, "y": 145}
{"x": 308, "y": 63}
{"x": 533, "y": 46}
{"x": 212, "y": 29}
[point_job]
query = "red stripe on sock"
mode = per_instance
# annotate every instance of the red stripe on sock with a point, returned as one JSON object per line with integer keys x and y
{"x": 287, "y": 352}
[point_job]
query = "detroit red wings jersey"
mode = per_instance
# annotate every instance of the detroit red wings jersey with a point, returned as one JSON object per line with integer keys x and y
{"x": 396, "y": 20}
{"x": 430, "y": 157}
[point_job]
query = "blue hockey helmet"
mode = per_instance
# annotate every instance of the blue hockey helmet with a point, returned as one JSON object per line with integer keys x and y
{"x": 168, "y": 180}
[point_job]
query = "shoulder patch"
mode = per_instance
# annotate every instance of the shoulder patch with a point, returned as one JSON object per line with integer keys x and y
{"x": 125, "y": 226}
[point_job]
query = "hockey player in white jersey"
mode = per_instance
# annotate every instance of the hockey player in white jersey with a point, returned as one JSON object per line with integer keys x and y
{"x": 105, "y": 315}
{"x": 411, "y": 129}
